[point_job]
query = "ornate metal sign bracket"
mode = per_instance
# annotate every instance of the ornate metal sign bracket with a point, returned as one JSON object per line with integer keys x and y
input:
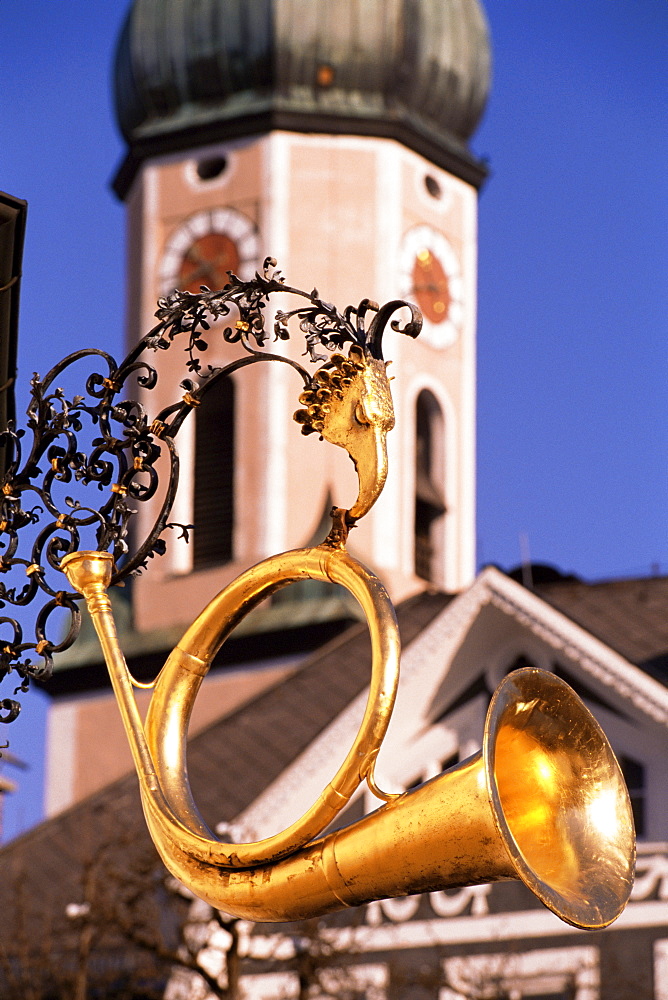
{"x": 49, "y": 463}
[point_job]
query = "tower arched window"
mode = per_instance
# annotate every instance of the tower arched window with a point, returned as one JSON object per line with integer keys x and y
{"x": 213, "y": 507}
{"x": 429, "y": 479}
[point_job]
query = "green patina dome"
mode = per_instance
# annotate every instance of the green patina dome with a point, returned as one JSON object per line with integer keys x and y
{"x": 191, "y": 71}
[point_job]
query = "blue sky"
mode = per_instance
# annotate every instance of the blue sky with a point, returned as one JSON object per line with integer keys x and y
{"x": 573, "y": 297}
{"x": 573, "y": 303}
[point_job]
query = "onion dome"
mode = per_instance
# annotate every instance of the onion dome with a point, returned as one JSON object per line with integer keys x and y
{"x": 189, "y": 72}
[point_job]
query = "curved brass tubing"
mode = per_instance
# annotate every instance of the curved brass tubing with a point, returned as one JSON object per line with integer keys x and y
{"x": 180, "y": 679}
{"x": 159, "y": 749}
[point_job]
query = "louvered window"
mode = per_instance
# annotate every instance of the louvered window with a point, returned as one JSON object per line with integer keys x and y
{"x": 214, "y": 476}
{"x": 429, "y": 502}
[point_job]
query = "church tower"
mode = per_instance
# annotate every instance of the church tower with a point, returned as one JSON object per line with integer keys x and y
{"x": 333, "y": 137}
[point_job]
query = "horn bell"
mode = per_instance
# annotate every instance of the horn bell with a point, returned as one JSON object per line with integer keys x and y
{"x": 559, "y": 799}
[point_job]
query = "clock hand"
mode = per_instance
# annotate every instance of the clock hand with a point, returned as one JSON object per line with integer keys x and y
{"x": 224, "y": 261}
{"x": 193, "y": 256}
{"x": 205, "y": 271}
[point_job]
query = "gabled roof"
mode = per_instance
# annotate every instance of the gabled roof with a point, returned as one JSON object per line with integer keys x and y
{"x": 560, "y": 628}
{"x": 628, "y": 615}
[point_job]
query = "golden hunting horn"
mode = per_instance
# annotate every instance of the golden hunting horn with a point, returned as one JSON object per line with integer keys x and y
{"x": 543, "y": 802}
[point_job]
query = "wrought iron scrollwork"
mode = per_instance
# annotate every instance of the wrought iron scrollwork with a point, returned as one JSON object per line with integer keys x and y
{"x": 42, "y": 515}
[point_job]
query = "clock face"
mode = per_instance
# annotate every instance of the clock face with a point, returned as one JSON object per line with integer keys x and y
{"x": 431, "y": 277}
{"x": 205, "y": 247}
